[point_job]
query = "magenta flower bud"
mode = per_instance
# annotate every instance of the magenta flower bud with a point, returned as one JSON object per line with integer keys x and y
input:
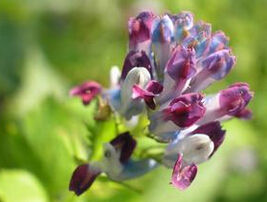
{"x": 139, "y": 29}
{"x": 185, "y": 110}
{"x": 136, "y": 59}
{"x": 125, "y": 144}
{"x": 228, "y": 103}
{"x": 183, "y": 175}
{"x": 87, "y": 91}
{"x": 214, "y": 131}
{"x": 152, "y": 90}
{"x": 234, "y": 99}
{"x": 82, "y": 178}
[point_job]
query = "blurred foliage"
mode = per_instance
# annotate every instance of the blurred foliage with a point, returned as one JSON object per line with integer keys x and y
{"x": 49, "y": 45}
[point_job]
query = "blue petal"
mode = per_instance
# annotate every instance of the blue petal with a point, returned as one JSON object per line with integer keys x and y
{"x": 115, "y": 98}
{"x": 134, "y": 169}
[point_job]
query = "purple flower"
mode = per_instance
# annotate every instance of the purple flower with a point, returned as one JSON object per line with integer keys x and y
{"x": 171, "y": 59}
{"x": 185, "y": 110}
{"x": 214, "y": 67}
{"x": 116, "y": 163}
{"x": 228, "y": 103}
{"x": 235, "y": 98}
{"x": 87, "y": 91}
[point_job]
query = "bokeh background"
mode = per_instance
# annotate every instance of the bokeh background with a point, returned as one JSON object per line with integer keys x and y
{"x": 47, "y": 46}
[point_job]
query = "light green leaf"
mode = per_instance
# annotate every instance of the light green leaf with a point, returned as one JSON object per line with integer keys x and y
{"x": 21, "y": 186}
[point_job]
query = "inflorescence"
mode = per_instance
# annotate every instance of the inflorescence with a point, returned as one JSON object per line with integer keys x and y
{"x": 171, "y": 60}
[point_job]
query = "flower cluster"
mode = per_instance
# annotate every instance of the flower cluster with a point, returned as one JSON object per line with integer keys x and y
{"x": 171, "y": 60}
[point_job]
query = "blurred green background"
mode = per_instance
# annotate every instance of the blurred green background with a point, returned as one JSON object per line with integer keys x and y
{"x": 47, "y": 46}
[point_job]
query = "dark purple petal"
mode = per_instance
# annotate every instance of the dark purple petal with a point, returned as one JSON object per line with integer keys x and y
{"x": 87, "y": 91}
{"x": 153, "y": 88}
{"x": 139, "y": 28}
{"x": 214, "y": 131}
{"x": 126, "y": 144}
{"x": 181, "y": 64}
{"x": 139, "y": 93}
{"x": 185, "y": 110}
{"x": 82, "y": 178}
{"x": 219, "y": 64}
{"x": 234, "y": 99}
{"x": 135, "y": 59}
{"x": 182, "y": 176}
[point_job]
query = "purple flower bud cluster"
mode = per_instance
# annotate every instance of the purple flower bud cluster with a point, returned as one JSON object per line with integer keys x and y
{"x": 171, "y": 60}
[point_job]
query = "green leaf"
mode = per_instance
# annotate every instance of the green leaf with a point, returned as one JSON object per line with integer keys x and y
{"x": 21, "y": 186}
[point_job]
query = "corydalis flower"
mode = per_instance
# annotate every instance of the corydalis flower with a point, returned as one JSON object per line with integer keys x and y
{"x": 171, "y": 60}
{"x": 116, "y": 164}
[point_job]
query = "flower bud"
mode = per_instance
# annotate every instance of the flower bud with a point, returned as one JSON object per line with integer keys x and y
{"x": 139, "y": 29}
{"x": 214, "y": 67}
{"x": 235, "y": 98}
{"x": 228, "y": 103}
{"x": 182, "y": 23}
{"x": 162, "y": 36}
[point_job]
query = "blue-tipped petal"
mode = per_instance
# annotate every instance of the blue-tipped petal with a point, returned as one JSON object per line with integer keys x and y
{"x": 162, "y": 37}
{"x": 133, "y": 169}
{"x": 114, "y": 97}
{"x": 182, "y": 22}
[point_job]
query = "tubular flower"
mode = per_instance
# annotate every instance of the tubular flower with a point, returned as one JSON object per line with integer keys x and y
{"x": 171, "y": 60}
{"x": 116, "y": 164}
